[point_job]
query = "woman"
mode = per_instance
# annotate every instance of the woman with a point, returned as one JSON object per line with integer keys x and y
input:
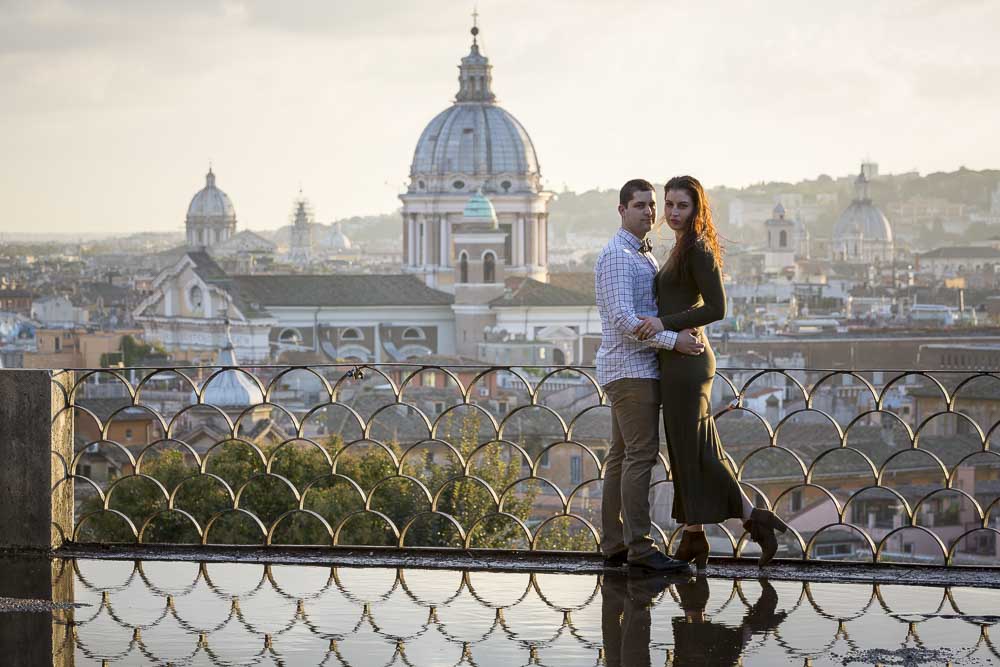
{"x": 690, "y": 294}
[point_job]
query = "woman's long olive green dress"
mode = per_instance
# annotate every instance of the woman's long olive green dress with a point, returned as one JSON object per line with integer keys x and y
{"x": 705, "y": 488}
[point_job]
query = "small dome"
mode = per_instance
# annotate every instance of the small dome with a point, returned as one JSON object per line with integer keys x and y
{"x": 231, "y": 388}
{"x": 211, "y": 203}
{"x": 862, "y": 218}
{"x": 337, "y": 239}
{"x": 480, "y": 210}
{"x": 777, "y": 218}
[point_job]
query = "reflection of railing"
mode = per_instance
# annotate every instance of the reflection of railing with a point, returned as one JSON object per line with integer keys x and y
{"x": 239, "y": 614}
{"x": 865, "y": 465}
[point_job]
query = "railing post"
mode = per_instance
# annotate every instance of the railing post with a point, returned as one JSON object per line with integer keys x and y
{"x": 36, "y": 449}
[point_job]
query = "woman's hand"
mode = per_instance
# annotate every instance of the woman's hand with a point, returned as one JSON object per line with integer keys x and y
{"x": 650, "y": 327}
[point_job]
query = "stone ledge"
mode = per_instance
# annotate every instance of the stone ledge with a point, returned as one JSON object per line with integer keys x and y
{"x": 533, "y": 561}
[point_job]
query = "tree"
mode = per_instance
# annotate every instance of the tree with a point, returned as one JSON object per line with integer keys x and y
{"x": 306, "y": 467}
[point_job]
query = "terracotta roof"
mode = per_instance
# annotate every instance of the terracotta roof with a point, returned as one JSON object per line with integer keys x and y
{"x": 530, "y": 292}
{"x": 339, "y": 290}
{"x": 959, "y": 252}
{"x": 577, "y": 281}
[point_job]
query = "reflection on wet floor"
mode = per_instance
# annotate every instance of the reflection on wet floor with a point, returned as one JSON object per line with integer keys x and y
{"x": 152, "y": 612}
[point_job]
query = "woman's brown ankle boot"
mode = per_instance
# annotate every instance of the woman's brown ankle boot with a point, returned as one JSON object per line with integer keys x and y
{"x": 761, "y": 526}
{"x": 694, "y": 547}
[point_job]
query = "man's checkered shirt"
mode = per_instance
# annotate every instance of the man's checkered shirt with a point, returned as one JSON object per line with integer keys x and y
{"x": 623, "y": 279}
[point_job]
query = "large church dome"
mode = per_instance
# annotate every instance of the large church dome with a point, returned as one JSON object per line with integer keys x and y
{"x": 211, "y": 202}
{"x": 862, "y": 218}
{"x": 474, "y": 143}
{"x": 211, "y": 218}
{"x": 474, "y": 139}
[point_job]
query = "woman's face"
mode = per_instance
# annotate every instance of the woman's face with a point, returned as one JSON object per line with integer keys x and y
{"x": 678, "y": 210}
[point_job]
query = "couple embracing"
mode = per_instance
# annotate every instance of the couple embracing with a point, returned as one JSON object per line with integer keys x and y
{"x": 654, "y": 358}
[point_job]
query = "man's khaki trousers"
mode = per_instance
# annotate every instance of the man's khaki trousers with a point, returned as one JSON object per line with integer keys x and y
{"x": 635, "y": 429}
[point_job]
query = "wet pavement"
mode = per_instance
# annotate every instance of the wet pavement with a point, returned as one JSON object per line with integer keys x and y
{"x": 137, "y": 612}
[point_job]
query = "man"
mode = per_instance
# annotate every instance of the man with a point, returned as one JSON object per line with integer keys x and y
{"x": 628, "y": 370}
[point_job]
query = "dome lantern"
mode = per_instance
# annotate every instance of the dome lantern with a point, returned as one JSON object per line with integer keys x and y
{"x": 475, "y": 77}
{"x": 862, "y": 191}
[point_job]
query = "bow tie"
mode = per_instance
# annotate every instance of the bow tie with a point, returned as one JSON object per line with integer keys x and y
{"x": 646, "y": 246}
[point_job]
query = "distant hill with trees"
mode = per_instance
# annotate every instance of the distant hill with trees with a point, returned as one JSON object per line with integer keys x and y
{"x": 594, "y": 211}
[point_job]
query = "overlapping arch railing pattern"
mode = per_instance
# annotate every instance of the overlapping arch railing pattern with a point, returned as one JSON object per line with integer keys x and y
{"x": 245, "y": 614}
{"x": 884, "y": 466}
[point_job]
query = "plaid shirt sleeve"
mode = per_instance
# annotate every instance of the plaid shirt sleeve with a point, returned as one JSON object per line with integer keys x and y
{"x": 615, "y": 274}
{"x": 665, "y": 340}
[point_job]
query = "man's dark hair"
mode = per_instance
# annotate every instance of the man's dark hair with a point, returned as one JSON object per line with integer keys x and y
{"x": 633, "y": 186}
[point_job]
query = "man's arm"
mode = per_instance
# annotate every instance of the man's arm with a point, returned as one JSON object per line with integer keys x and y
{"x": 614, "y": 288}
{"x": 615, "y": 272}
{"x": 665, "y": 340}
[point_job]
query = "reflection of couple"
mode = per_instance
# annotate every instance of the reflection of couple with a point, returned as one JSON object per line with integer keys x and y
{"x": 644, "y": 364}
{"x": 625, "y": 622}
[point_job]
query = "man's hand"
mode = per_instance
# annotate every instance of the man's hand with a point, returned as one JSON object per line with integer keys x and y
{"x": 689, "y": 342}
{"x": 650, "y": 327}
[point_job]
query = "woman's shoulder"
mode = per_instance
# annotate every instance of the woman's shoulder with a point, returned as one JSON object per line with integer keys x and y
{"x": 703, "y": 250}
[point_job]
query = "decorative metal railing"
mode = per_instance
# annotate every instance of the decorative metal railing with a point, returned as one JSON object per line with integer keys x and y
{"x": 185, "y": 613}
{"x": 883, "y": 466}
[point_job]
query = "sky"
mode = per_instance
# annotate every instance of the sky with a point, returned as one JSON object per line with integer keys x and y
{"x": 112, "y": 110}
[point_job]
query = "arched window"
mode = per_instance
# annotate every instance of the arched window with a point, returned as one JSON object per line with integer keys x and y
{"x": 413, "y": 333}
{"x": 350, "y": 334}
{"x": 489, "y": 268}
{"x": 783, "y": 239}
{"x": 290, "y": 337}
{"x": 463, "y": 268}
{"x": 195, "y": 297}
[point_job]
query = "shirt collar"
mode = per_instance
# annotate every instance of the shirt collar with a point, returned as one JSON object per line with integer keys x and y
{"x": 629, "y": 239}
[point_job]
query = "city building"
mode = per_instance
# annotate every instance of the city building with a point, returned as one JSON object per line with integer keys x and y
{"x": 475, "y": 265}
{"x": 211, "y": 218}
{"x": 74, "y": 348}
{"x": 16, "y": 301}
{"x": 959, "y": 261}
{"x": 862, "y": 234}
{"x": 475, "y": 148}
{"x": 995, "y": 205}
{"x": 301, "y": 247}
{"x": 58, "y": 310}
{"x": 787, "y": 241}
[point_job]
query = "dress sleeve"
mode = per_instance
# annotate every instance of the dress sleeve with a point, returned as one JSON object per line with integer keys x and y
{"x": 708, "y": 278}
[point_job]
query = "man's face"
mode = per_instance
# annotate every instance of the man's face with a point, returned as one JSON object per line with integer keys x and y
{"x": 638, "y": 216}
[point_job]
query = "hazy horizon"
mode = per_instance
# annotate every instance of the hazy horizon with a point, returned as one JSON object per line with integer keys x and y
{"x": 114, "y": 111}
